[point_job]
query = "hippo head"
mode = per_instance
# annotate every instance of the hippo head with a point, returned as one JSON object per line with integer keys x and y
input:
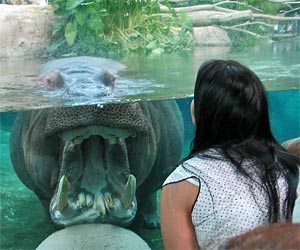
{"x": 100, "y": 79}
{"x": 97, "y": 174}
{"x": 80, "y": 76}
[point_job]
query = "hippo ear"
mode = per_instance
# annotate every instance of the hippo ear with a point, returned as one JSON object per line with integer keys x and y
{"x": 53, "y": 80}
{"x": 104, "y": 77}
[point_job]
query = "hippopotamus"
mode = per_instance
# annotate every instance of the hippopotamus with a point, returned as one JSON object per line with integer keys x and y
{"x": 97, "y": 163}
{"x": 81, "y": 76}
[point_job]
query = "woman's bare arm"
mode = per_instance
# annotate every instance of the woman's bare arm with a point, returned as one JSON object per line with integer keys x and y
{"x": 176, "y": 202}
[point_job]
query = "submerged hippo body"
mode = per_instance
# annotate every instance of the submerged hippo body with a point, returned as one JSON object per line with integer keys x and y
{"x": 97, "y": 163}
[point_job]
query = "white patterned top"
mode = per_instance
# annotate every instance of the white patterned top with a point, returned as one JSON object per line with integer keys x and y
{"x": 228, "y": 204}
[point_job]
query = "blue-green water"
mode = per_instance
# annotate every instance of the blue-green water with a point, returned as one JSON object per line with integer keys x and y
{"x": 285, "y": 114}
{"x": 24, "y": 222}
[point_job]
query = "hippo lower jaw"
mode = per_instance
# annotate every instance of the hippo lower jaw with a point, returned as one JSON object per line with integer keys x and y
{"x": 87, "y": 191}
{"x": 65, "y": 210}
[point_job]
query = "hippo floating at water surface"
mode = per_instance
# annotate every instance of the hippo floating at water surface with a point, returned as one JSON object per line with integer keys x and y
{"x": 97, "y": 164}
{"x": 81, "y": 76}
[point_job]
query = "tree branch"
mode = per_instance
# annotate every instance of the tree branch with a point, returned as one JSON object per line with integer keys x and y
{"x": 244, "y": 31}
{"x": 197, "y": 8}
{"x": 277, "y": 18}
{"x": 284, "y": 2}
{"x": 226, "y": 2}
{"x": 238, "y": 3}
{"x": 253, "y": 23}
{"x": 212, "y": 14}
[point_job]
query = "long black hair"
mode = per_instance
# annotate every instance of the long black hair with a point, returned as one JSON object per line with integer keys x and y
{"x": 231, "y": 113}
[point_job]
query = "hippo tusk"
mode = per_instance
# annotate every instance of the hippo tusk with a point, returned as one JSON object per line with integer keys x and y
{"x": 129, "y": 194}
{"x": 81, "y": 199}
{"x": 109, "y": 200}
{"x": 100, "y": 204}
{"x": 62, "y": 193}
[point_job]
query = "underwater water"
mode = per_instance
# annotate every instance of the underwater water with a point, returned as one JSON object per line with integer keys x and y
{"x": 25, "y": 223}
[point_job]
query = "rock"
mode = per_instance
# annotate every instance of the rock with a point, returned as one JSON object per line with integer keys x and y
{"x": 19, "y": 2}
{"x": 25, "y": 29}
{"x": 211, "y": 36}
{"x": 93, "y": 236}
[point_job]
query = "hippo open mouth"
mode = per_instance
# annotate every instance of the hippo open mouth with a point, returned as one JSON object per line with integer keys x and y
{"x": 88, "y": 191}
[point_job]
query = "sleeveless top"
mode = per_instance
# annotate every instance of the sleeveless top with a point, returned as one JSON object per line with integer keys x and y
{"x": 228, "y": 203}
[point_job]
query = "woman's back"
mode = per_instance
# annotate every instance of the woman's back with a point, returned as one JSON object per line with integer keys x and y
{"x": 228, "y": 203}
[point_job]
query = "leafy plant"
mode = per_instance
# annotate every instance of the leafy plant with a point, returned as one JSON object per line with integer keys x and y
{"x": 102, "y": 27}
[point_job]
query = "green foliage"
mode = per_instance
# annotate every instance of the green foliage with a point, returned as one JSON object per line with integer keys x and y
{"x": 113, "y": 27}
{"x": 240, "y": 40}
{"x": 266, "y": 6}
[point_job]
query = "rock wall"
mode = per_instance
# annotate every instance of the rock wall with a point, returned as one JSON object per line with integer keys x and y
{"x": 24, "y": 30}
{"x": 211, "y": 36}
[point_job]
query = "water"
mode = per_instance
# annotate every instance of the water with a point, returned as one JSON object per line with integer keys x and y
{"x": 24, "y": 222}
{"x": 157, "y": 77}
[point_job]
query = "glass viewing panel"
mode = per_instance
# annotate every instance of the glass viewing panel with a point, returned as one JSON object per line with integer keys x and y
{"x": 150, "y": 79}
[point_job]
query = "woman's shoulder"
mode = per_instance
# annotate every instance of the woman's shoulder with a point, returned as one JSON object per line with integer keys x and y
{"x": 189, "y": 168}
{"x": 211, "y": 156}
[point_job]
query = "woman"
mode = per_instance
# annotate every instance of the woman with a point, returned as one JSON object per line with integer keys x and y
{"x": 237, "y": 176}
{"x": 293, "y": 146}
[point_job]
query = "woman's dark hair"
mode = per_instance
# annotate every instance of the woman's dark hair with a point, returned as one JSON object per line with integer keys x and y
{"x": 231, "y": 113}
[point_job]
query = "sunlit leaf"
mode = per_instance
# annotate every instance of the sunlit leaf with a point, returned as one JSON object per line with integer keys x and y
{"x": 80, "y": 17}
{"x": 151, "y": 45}
{"x": 158, "y": 51}
{"x": 95, "y": 24}
{"x": 133, "y": 36}
{"x": 72, "y": 4}
{"x": 70, "y": 33}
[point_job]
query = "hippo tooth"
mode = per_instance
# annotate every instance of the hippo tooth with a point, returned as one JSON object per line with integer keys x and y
{"x": 129, "y": 194}
{"x": 81, "y": 199}
{"x": 89, "y": 200}
{"x": 111, "y": 139}
{"x": 109, "y": 200}
{"x": 78, "y": 140}
{"x": 100, "y": 204}
{"x": 62, "y": 193}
